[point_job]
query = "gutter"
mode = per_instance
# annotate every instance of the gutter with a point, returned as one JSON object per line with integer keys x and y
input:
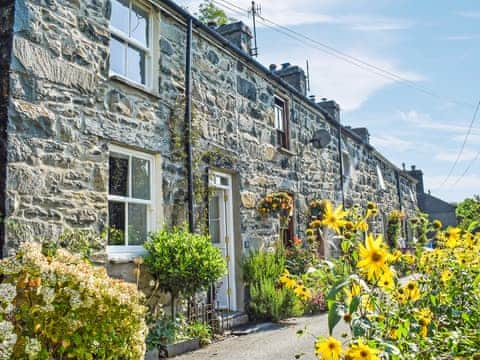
{"x": 5, "y": 67}
{"x": 188, "y": 124}
{"x": 399, "y": 191}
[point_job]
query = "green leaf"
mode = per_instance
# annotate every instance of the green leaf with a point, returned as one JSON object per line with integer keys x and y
{"x": 333, "y": 316}
{"x": 337, "y": 287}
{"x": 354, "y": 304}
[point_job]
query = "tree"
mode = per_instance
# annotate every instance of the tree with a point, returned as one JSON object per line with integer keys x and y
{"x": 208, "y": 12}
{"x": 183, "y": 263}
{"x": 468, "y": 213}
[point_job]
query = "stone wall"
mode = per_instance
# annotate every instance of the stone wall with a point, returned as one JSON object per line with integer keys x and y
{"x": 65, "y": 111}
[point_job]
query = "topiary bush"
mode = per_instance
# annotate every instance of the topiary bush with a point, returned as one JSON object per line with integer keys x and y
{"x": 183, "y": 263}
{"x": 61, "y": 306}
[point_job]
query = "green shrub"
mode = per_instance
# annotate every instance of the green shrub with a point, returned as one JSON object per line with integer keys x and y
{"x": 268, "y": 300}
{"x": 60, "y": 306}
{"x": 200, "y": 331}
{"x": 183, "y": 263}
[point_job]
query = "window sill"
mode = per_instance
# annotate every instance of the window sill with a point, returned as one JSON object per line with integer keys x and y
{"x": 124, "y": 254}
{"x": 131, "y": 84}
{"x": 286, "y": 151}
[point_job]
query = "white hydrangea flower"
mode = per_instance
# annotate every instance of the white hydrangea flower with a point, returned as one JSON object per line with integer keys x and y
{"x": 8, "y": 292}
{"x": 8, "y": 339}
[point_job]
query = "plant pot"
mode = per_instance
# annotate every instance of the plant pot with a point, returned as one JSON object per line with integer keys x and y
{"x": 171, "y": 350}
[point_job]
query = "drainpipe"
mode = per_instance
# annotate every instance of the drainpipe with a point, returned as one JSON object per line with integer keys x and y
{"x": 341, "y": 163}
{"x": 188, "y": 123}
{"x": 399, "y": 192}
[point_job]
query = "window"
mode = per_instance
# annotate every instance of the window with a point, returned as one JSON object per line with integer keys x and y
{"x": 346, "y": 166}
{"x": 130, "y": 41}
{"x": 281, "y": 122}
{"x": 381, "y": 180}
{"x": 130, "y": 198}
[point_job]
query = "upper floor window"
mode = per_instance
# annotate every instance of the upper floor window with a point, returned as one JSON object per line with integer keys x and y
{"x": 130, "y": 41}
{"x": 281, "y": 122}
{"x": 130, "y": 198}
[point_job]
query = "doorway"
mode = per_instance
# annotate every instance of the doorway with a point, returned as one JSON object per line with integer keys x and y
{"x": 220, "y": 224}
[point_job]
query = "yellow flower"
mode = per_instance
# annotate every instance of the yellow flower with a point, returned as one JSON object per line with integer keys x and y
{"x": 302, "y": 292}
{"x": 334, "y": 219}
{"x": 355, "y": 290}
{"x": 373, "y": 257}
{"x": 437, "y": 224}
{"x": 362, "y": 226}
{"x": 408, "y": 258}
{"x": 412, "y": 291}
{"x": 446, "y": 275}
{"x": 361, "y": 351}
{"x": 452, "y": 237}
{"x": 386, "y": 281}
{"x": 287, "y": 281}
{"x": 328, "y": 349}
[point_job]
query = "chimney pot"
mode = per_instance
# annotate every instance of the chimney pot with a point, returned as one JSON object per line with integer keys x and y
{"x": 413, "y": 167}
{"x": 273, "y": 67}
{"x": 285, "y": 65}
{"x": 238, "y": 34}
{"x": 403, "y": 166}
{"x": 312, "y": 98}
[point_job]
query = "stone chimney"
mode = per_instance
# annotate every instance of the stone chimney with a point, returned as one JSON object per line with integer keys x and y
{"x": 363, "y": 133}
{"x": 417, "y": 175}
{"x": 238, "y": 34}
{"x": 331, "y": 107}
{"x": 295, "y": 76}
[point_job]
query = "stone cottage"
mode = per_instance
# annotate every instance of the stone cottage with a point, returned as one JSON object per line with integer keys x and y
{"x": 131, "y": 114}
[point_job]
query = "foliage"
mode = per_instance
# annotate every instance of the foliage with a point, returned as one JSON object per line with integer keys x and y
{"x": 394, "y": 228}
{"x": 208, "y": 12}
{"x": 276, "y": 204}
{"x": 468, "y": 213}
{"x": 268, "y": 300}
{"x": 60, "y": 306}
{"x": 200, "y": 331}
{"x": 183, "y": 263}
{"x": 434, "y": 314}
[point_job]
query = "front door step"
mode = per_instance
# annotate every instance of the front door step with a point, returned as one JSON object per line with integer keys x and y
{"x": 254, "y": 328}
{"x": 228, "y": 320}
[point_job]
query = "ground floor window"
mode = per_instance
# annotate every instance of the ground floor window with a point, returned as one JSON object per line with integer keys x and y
{"x": 130, "y": 198}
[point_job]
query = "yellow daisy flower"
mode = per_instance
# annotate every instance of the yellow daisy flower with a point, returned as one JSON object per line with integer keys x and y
{"x": 334, "y": 219}
{"x": 328, "y": 349}
{"x": 373, "y": 257}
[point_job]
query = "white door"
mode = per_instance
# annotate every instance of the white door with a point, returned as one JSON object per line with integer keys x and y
{"x": 221, "y": 232}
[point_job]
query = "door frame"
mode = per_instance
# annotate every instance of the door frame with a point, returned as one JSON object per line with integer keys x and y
{"x": 229, "y": 233}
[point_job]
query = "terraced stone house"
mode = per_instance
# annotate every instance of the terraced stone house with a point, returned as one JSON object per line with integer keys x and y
{"x": 97, "y": 99}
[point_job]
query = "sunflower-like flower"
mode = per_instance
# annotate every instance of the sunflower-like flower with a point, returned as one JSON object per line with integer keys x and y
{"x": 287, "y": 281}
{"x": 412, "y": 291}
{"x": 334, "y": 219}
{"x": 328, "y": 349}
{"x": 361, "y": 351}
{"x": 373, "y": 257}
{"x": 302, "y": 292}
{"x": 452, "y": 237}
{"x": 424, "y": 317}
{"x": 386, "y": 281}
{"x": 437, "y": 224}
{"x": 446, "y": 275}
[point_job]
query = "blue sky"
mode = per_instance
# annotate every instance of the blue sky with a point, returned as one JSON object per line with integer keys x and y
{"x": 434, "y": 44}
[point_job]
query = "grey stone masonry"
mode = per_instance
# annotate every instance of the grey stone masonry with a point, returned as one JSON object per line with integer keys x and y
{"x": 65, "y": 112}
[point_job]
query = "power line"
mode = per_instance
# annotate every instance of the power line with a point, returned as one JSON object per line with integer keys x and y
{"x": 469, "y": 131}
{"x": 339, "y": 54}
{"x": 366, "y": 66}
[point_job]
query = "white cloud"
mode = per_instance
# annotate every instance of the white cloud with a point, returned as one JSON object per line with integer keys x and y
{"x": 471, "y": 14}
{"x": 425, "y": 121}
{"x": 386, "y": 140}
{"x": 463, "y": 37}
{"x": 288, "y": 13}
{"x": 451, "y": 156}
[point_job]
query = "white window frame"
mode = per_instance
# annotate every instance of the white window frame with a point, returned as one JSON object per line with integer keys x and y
{"x": 381, "y": 180}
{"x": 149, "y": 51}
{"x": 128, "y": 252}
{"x": 279, "y": 114}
